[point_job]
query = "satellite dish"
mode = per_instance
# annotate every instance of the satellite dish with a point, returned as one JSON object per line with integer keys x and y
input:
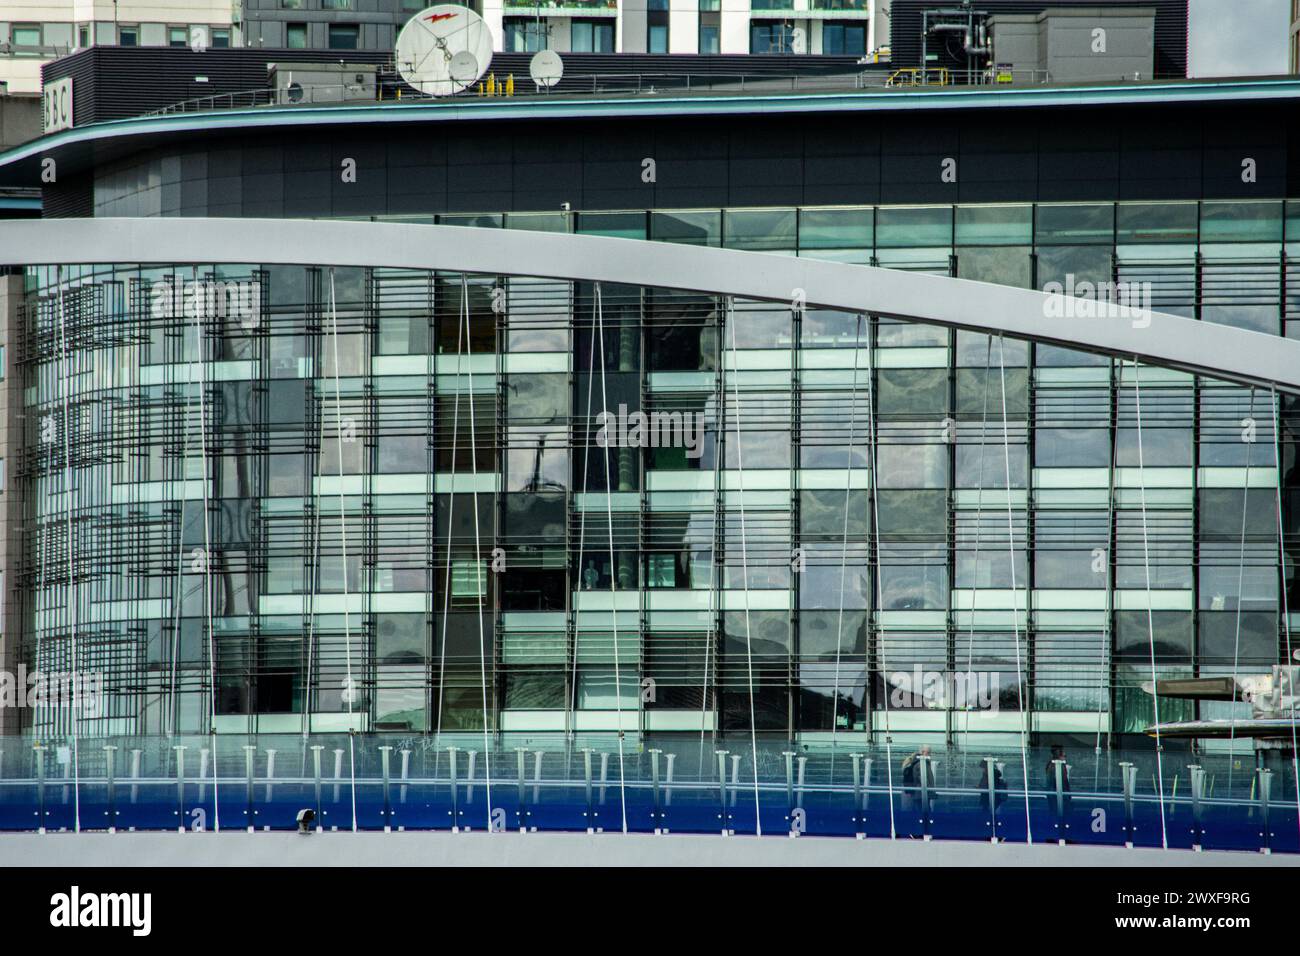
{"x": 464, "y": 67}
{"x": 546, "y": 68}
{"x": 444, "y": 49}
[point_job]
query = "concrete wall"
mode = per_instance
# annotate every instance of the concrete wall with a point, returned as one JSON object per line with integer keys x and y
{"x": 20, "y": 119}
{"x": 733, "y": 37}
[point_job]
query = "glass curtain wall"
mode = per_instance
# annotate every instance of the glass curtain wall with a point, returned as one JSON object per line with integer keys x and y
{"x": 304, "y": 500}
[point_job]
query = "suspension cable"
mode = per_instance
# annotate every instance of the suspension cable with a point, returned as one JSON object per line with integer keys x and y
{"x": 744, "y": 561}
{"x": 1241, "y": 582}
{"x": 480, "y": 576}
{"x": 613, "y": 564}
{"x": 1286, "y": 614}
{"x": 844, "y": 550}
{"x": 582, "y": 526}
{"x": 713, "y": 632}
{"x": 451, "y": 515}
{"x": 172, "y": 695}
{"x": 1151, "y": 628}
{"x": 73, "y": 596}
{"x": 201, "y": 366}
{"x": 979, "y": 527}
{"x": 343, "y": 546}
{"x": 1021, "y": 688}
{"x": 881, "y": 637}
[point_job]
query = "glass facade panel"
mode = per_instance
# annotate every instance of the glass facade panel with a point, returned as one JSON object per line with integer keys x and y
{"x": 599, "y": 448}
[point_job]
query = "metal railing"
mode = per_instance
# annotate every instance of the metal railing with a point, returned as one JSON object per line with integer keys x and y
{"x": 684, "y": 784}
{"x": 613, "y": 84}
{"x": 626, "y": 84}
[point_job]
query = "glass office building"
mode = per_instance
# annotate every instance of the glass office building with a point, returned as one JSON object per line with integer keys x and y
{"x": 571, "y": 444}
{"x": 322, "y": 498}
{"x": 418, "y": 501}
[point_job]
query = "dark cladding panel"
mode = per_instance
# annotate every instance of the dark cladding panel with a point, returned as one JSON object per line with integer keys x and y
{"x": 841, "y": 162}
{"x": 997, "y": 161}
{"x": 765, "y": 164}
{"x": 1161, "y": 158}
{"x": 417, "y": 190}
{"x": 306, "y": 192}
{"x": 70, "y": 198}
{"x": 1246, "y": 155}
{"x": 1078, "y": 156}
{"x": 1023, "y": 154}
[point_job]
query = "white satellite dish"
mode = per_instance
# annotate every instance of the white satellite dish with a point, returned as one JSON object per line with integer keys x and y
{"x": 546, "y": 68}
{"x": 464, "y": 68}
{"x": 444, "y": 49}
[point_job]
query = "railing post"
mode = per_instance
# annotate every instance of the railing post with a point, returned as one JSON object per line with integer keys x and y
{"x": 1198, "y": 794}
{"x": 180, "y": 786}
{"x": 338, "y": 771}
{"x": 205, "y": 754}
{"x": 1265, "y": 795}
{"x": 924, "y": 761}
{"x": 858, "y": 822}
{"x": 40, "y": 786}
{"x": 586, "y": 776}
{"x": 1128, "y": 778}
{"x": 406, "y": 772}
{"x": 522, "y": 775}
{"x": 654, "y": 786}
{"x": 866, "y": 788}
{"x": 668, "y": 780}
{"x": 135, "y": 773}
{"x": 455, "y": 803}
{"x": 991, "y": 794}
{"x": 722, "y": 791}
{"x": 735, "y": 778}
{"x": 250, "y": 752}
{"x": 316, "y": 750}
{"x": 270, "y": 774}
{"x": 789, "y": 780}
{"x": 385, "y": 754}
{"x": 110, "y": 760}
{"x": 1058, "y": 776}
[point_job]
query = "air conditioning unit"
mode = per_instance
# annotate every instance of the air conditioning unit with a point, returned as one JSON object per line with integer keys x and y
{"x": 304, "y": 84}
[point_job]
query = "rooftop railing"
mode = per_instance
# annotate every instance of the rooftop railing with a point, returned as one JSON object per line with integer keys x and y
{"x": 628, "y": 84}
{"x": 611, "y": 84}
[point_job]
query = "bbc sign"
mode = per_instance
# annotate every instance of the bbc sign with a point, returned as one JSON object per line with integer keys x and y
{"x": 58, "y": 105}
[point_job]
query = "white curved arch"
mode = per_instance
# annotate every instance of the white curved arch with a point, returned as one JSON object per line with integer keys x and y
{"x": 1159, "y": 338}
